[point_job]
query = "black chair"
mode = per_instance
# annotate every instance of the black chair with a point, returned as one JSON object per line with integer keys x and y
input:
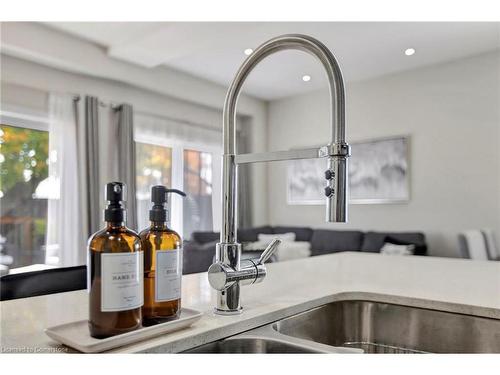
{"x": 31, "y": 284}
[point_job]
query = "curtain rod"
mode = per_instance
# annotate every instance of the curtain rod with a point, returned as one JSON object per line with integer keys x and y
{"x": 113, "y": 105}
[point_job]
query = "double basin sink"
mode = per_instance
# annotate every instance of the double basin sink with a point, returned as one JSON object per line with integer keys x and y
{"x": 367, "y": 327}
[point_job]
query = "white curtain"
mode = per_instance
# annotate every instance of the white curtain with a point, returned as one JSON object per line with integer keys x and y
{"x": 63, "y": 225}
{"x": 124, "y": 115}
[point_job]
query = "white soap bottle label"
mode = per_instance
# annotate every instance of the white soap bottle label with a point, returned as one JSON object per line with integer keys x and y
{"x": 122, "y": 281}
{"x": 168, "y": 275}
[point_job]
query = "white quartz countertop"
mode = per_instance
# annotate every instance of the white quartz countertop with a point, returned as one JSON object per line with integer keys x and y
{"x": 291, "y": 287}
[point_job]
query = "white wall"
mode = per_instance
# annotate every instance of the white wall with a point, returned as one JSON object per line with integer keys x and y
{"x": 36, "y": 60}
{"x": 451, "y": 112}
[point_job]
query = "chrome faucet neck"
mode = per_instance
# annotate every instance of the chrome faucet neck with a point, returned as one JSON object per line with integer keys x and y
{"x": 287, "y": 42}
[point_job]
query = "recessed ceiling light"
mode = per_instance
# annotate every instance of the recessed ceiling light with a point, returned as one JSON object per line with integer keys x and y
{"x": 248, "y": 51}
{"x": 409, "y": 51}
{"x": 306, "y": 78}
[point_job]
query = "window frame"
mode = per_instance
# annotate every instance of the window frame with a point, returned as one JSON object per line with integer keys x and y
{"x": 25, "y": 118}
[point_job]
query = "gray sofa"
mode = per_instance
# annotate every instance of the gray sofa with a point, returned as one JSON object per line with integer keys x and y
{"x": 200, "y": 250}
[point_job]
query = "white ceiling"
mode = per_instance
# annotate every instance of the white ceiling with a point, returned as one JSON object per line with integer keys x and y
{"x": 214, "y": 51}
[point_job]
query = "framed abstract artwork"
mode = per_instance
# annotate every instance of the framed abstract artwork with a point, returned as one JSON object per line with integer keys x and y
{"x": 379, "y": 172}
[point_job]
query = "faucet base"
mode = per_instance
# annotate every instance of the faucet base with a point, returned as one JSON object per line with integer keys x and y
{"x": 238, "y": 311}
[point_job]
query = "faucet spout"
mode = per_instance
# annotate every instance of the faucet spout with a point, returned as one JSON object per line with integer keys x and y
{"x": 336, "y": 151}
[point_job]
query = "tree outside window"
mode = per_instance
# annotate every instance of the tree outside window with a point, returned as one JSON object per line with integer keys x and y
{"x": 23, "y": 170}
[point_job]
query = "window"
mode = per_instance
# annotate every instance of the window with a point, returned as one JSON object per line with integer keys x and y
{"x": 197, "y": 206}
{"x": 23, "y": 209}
{"x": 187, "y": 157}
{"x": 154, "y": 167}
{"x": 187, "y": 169}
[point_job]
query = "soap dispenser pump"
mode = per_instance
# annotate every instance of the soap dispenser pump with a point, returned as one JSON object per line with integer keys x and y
{"x": 162, "y": 248}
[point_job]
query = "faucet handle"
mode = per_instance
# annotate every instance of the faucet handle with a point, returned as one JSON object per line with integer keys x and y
{"x": 269, "y": 251}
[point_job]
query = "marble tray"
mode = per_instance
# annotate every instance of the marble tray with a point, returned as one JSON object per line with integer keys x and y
{"x": 76, "y": 334}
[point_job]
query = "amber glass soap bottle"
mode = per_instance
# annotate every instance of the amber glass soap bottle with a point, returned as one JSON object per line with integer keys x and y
{"x": 162, "y": 262}
{"x": 114, "y": 271}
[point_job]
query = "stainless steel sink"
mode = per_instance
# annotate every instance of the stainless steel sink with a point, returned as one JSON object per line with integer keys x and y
{"x": 386, "y": 328}
{"x": 367, "y": 327}
{"x": 250, "y": 345}
{"x": 266, "y": 340}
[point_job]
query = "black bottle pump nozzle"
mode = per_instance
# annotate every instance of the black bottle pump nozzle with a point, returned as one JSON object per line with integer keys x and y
{"x": 159, "y": 197}
{"x": 115, "y": 193}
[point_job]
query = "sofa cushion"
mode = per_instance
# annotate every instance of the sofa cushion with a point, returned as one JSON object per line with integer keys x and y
{"x": 244, "y": 235}
{"x": 332, "y": 241}
{"x": 251, "y": 234}
{"x": 204, "y": 237}
{"x": 373, "y": 241}
{"x": 301, "y": 233}
{"x": 197, "y": 257}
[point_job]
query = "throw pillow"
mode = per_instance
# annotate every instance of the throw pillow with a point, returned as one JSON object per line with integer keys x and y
{"x": 285, "y": 237}
{"x": 392, "y": 249}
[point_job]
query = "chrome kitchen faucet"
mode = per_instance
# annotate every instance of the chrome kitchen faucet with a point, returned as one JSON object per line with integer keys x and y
{"x": 227, "y": 274}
